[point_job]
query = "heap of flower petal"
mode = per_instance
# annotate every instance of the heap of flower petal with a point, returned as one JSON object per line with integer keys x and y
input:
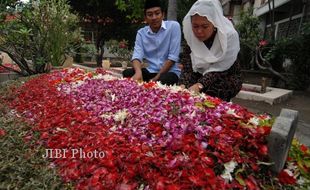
{"x": 153, "y": 136}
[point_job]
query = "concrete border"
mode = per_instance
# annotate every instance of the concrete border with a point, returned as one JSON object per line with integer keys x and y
{"x": 272, "y": 95}
{"x": 8, "y": 76}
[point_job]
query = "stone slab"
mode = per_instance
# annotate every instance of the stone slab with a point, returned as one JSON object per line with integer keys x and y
{"x": 115, "y": 71}
{"x": 8, "y": 76}
{"x": 272, "y": 95}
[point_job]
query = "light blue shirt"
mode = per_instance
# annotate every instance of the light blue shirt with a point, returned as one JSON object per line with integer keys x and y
{"x": 156, "y": 48}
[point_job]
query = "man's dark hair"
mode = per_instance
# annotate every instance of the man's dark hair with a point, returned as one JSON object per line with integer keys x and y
{"x": 152, "y": 3}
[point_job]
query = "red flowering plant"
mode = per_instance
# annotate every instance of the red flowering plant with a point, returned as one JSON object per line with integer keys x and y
{"x": 119, "y": 134}
{"x": 262, "y": 43}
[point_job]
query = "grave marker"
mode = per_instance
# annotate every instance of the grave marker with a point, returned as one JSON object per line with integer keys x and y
{"x": 280, "y": 138}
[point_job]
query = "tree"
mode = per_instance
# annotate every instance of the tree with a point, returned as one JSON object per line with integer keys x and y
{"x": 135, "y": 7}
{"x": 183, "y": 8}
{"x": 272, "y": 21}
{"x": 7, "y": 3}
{"x": 249, "y": 34}
{"x": 172, "y": 10}
{"x": 40, "y": 34}
{"x": 106, "y": 19}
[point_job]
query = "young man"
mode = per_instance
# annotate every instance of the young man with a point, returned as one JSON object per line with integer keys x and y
{"x": 159, "y": 45}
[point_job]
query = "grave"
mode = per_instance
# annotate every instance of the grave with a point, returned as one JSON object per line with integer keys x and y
{"x": 283, "y": 130}
{"x": 270, "y": 96}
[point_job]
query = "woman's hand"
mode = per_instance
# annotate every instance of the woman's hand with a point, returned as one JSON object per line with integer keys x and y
{"x": 182, "y": 86}
{"x": 196, "y": 88}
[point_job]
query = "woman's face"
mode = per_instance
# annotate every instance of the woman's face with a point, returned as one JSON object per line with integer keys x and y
{"x": 202, "y": 27}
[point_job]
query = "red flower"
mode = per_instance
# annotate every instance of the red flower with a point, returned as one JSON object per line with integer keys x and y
{"x": 286, "y": 179}
{"x": 123, "y": 44}
{"x": 2, "y": 132}
{"x": 251, "y": 183}
{"x": 263, "y": 150}
{"x": 9, "y": 18}
{"x": 303, "y": 148}
{"x": 174, "y": 187}
{"x": 149, "y": 84}
{"x": 263, "y": 43}
{"x": 197, "y": 180}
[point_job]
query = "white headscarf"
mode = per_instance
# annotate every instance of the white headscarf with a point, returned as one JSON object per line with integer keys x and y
{"x": 223, "y": 53}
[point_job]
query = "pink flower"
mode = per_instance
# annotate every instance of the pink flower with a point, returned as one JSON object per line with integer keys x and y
{"x": 263, "y": 43}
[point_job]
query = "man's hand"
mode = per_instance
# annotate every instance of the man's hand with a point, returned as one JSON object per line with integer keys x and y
{"x": 167, "y": 65}
{"x": 137, "y": 76}
{"x": 138, "y": 72}
{"x": 156, "y": 78}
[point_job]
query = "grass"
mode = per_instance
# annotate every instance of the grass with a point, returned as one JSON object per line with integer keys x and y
{"x": 21, "y": 164}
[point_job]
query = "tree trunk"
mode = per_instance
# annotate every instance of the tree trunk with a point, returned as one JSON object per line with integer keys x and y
{"x": 290, "y": 19}
{"x": 172, "y": 10}
{"x": 272, "y": 25}
{"x": 304, "y": 15}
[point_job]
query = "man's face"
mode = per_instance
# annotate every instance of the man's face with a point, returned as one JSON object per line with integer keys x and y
{"x": 154, "y": 16}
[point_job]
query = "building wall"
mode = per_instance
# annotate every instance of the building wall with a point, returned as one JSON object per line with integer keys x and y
{"x": 231, "y": 9}
{"x": 283, "y": 10}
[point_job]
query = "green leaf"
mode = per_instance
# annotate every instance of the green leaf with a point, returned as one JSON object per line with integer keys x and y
{"x": 209, "y": 104}
{"x": 240, "y": 180}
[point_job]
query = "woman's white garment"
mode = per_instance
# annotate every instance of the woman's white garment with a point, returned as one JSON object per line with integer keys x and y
{"x": 223, "y": 53}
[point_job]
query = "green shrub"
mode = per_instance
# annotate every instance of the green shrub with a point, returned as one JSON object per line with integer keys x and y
{"x": 119, "y": 49}
{"x": 297, "y": 51}
{"x": 250, "y": 35}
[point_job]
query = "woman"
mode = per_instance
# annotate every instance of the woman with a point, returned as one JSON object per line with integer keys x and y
{"x": 210, "y": 63}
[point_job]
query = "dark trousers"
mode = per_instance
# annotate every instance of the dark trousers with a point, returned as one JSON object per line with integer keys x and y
{"x": 168, "y": 78}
